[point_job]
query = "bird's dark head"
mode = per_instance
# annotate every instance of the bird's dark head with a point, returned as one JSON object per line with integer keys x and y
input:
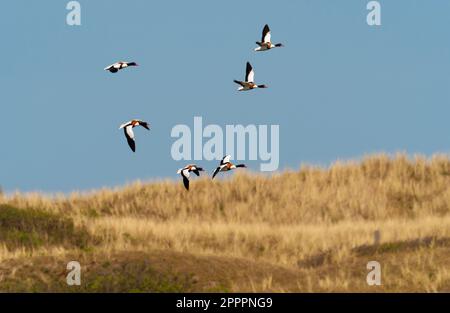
{"x": 132, "y": 64}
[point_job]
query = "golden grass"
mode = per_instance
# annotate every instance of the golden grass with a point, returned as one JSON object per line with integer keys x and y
{"x": 283, "y": 245}
{"x": 293, "y": 220}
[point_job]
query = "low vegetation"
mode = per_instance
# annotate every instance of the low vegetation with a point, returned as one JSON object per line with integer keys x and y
{"x": 31, "y": 228}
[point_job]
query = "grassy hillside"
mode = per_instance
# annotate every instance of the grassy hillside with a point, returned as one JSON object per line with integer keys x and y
{"x": 306, "y": 230}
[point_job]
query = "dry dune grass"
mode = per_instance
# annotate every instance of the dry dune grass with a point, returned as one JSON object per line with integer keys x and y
{"x": 316, "y": 225}
{"x": 377, "y": 188}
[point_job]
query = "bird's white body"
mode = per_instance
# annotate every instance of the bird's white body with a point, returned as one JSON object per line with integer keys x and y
{"x": 265, "y": 46}
{"x": 117, "y": 66}
{"x": 184, "y": 172}
{"x": 247, "y": 86}
{"x": 114, "y": 68}
{"x": 226, "y": 167}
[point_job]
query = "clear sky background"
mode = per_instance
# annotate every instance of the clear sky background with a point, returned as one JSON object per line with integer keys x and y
{"x": 339, "y": 89}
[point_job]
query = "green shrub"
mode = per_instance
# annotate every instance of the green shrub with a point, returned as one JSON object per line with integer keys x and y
{"x": 31, "y": 228}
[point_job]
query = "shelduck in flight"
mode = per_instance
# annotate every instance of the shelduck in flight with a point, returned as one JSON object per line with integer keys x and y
{"x": 114, "y": 68}
{"x": 265, "y": 43}
{"x": 226, "y": 165}
{"x": 128, "y": 130}
{"x": 184, "y": 172}
{"x": 249, "y": 83}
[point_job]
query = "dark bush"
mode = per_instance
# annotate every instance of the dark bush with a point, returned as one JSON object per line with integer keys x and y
{"x": 31, "y": 228}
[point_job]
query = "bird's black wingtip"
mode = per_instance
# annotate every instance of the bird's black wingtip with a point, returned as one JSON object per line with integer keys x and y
{"x": 186, "y": 184}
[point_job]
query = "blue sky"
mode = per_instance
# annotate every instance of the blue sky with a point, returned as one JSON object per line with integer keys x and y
{"x": 340, "y": 89}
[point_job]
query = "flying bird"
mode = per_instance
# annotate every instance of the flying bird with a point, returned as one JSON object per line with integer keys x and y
{"x": 265, "y": 43}
{"x": 249, "y": 82}
{"x": 128, "y": 130}
{"x": 226, "y": 165}
{"x": 184, "y": 172}
{"x": 114, "y": 68}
